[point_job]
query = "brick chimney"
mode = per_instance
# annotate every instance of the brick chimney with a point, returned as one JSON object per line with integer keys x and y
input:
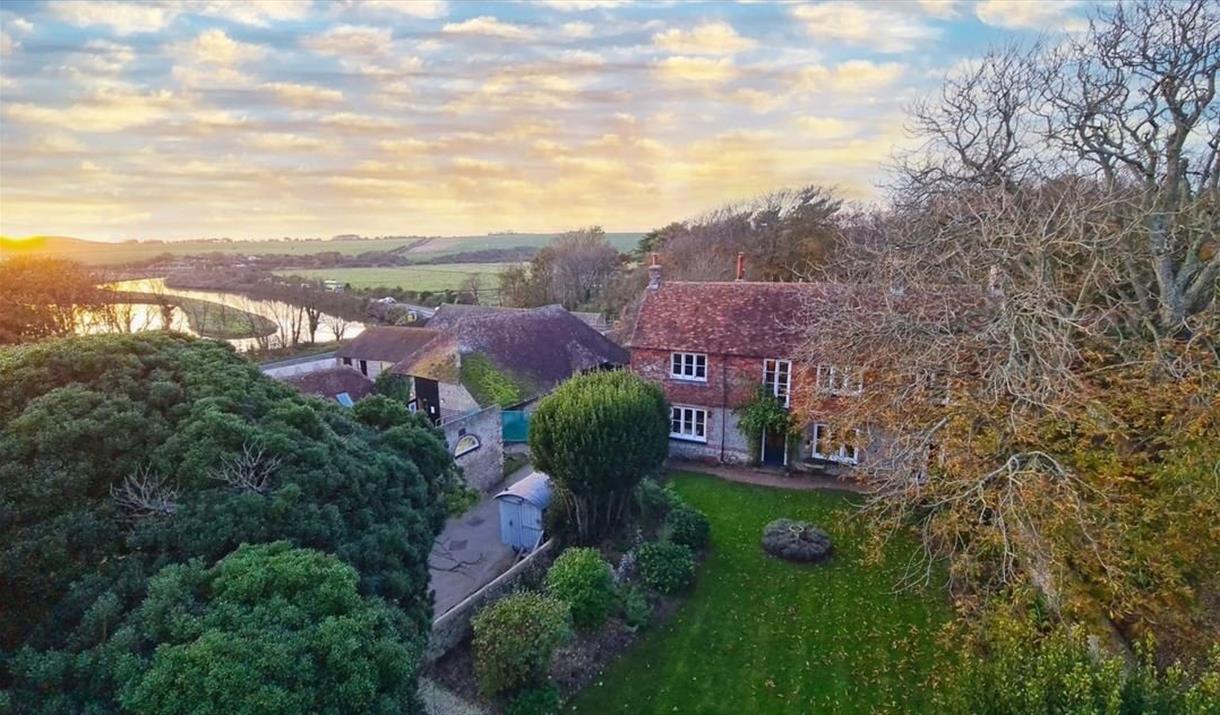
{"x": 741, "y": 266}
{"x": 654, "y": 274}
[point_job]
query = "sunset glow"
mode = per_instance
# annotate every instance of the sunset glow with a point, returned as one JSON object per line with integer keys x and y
{"x": 250, "y": 120}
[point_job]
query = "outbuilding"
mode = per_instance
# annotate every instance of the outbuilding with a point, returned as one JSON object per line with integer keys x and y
{"x": 522, "y": 506}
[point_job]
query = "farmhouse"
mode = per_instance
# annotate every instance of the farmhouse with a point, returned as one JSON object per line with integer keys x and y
{"x": 714, "y": 345}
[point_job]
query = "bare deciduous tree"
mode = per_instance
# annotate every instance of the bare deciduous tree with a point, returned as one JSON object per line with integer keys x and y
{"x": 143, "y": 494}
{"x": 1057, "y": 225}
{"x": 249, "y": 471}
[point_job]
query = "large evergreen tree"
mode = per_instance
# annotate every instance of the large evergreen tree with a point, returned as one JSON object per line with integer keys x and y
{"x": 120, "y": 455}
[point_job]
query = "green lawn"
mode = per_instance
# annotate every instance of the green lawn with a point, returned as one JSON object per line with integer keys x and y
{"x": 759, "y": 635}
{"x": 433, "y": 277}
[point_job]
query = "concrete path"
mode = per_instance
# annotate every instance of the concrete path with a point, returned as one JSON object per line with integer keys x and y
{"x": 765, "y": 477}
{"x": 468, "y": 553}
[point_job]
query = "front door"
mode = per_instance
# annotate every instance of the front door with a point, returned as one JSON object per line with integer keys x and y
{"x": 774, "y": 448}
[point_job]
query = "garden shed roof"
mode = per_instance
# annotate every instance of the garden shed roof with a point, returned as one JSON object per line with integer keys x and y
{"x": 535, "y": 489}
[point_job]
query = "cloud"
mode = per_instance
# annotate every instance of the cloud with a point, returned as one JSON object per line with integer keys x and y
{"x": 943, "y": 9}
{"x": 125, "y": 18}
{"x": 710, "y": 38}
{"x": 873, "y": 26}
{"x": 1030, "y": 14}
{"x": 277, "y": 142}
{"x": 303, "y": 95}
{"x": 106, "y": 110}
{"x": 576, "y": 29}
{"x": 214, "y": 47}
{"x": 426, "y": 9}
{"x": 489, "y": 26}
{"x": 351, "y": 40}
{"x": 7, "y": 44}
{"x": 579, "y": 5}
{"x": 827, "y": 127}
{"x": 260, "y": 13}
{"x": 681, "y": 68}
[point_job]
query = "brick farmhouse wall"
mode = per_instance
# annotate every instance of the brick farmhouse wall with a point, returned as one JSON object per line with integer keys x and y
{"x": 732, "y": 381}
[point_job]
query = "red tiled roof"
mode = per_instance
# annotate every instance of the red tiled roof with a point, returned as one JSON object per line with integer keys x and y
{"x": 756, "y": 319}
{"x": 386, "y": 343}
{"x": 734, "y": 318}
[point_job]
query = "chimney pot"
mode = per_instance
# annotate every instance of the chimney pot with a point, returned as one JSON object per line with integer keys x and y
{"x": 741, "y": 266}
{"x": 654, "y": 274}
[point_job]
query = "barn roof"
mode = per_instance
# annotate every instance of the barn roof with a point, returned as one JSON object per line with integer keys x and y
{"x": 386, "y": 343}
{"x": 536, "y": 348}
{"x": 535, "y": 489}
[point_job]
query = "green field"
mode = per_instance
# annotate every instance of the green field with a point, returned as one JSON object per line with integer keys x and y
{"x": 760, "y": 635}
{"x": 432, "y": 277}
{"x": 97, "y": 253}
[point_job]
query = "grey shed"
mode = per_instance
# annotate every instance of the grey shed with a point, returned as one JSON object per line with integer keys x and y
{"x": 521, "y": 508}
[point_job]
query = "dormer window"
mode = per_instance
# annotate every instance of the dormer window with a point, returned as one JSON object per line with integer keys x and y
{"x": 840, "y": 379}
{"x": 777, "y": 379}
{"x": 688, "y": 366}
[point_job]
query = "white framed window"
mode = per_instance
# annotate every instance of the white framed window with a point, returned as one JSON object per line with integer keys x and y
{"x": 825, "y": 446}
{"x": 466, "y": 444}
{"x": 840, "y": 379}
{"x": 689, "y": 423}
{"x": 777, "y": 379}
{"x": 688, "y": 366}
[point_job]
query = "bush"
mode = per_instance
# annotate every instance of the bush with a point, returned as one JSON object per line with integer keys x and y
{"x": 514, "y": 639}
{"x": 539, "y": 700}
{"x": 667, "y": 567}
{"x": 655, "y": 500}
{"x": 688, "y": 526}
{"x": 637, "y": 611}
{"x": 583, "y": 579}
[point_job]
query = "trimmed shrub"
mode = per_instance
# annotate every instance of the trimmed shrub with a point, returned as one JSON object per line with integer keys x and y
{"x": 637, "y": 611}
{"x": 688, "y": 526}
{"x": 583, "y": 579}
{"x": 667, "y": 567}
{"x": 539, "y": 700}
{"x": 597, "y": 435}
{"x": 514, "y": 639}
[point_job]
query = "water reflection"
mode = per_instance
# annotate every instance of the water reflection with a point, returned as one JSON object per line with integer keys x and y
{"x": 288, "y": 319}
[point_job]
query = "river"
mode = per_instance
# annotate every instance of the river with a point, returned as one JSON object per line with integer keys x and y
{"x": 148, "y": 317}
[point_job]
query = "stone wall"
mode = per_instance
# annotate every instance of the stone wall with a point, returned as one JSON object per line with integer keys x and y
{"x": 451, "y": 627}
{"x": 484, "y": 466}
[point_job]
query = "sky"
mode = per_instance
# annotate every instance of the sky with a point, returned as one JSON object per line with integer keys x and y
{"x": 223, "y": 118}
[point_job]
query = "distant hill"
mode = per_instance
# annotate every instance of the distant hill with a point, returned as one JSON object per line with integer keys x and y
{"x": 49, "y": 245}
{"x": 98, "y": 253}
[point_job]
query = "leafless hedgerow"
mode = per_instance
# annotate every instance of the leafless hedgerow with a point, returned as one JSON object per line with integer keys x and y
{"x": 143, "y": 494}
{"x": 1061, "y": 217}
{"x": 249, "y": 471}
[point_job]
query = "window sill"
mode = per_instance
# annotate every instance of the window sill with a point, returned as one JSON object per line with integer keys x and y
{"x": 688, "y": 380}
{"x": 687, "y": 438}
